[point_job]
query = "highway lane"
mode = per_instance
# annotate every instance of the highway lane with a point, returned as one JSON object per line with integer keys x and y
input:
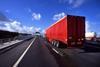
{"x": 38, "y": 56}
{"x": 33, "y": 53}
{"x": 9, "y": 57}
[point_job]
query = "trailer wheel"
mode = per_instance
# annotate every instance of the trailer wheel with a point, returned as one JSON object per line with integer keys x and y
{"x": 54, "y": 43}
{"x": 57, "y": 44}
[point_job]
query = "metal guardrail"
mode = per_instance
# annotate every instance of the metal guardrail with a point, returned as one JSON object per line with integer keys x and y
{"x": 6, "y": 40}
{"x": 14, "y": 38}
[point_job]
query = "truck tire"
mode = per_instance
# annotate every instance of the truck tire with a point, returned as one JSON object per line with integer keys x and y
{"x": 54, "y": 43}
{"x": 57, "y": 44}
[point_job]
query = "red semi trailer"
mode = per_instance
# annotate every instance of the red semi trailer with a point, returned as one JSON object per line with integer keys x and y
{"x": 69, "y": 30}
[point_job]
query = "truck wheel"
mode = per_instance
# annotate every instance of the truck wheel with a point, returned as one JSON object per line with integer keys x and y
{"x": 57, "y": 44}
{"x": 54, "y": 43}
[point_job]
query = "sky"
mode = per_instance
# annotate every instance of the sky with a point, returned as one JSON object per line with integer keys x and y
{"x": 36, "y": 15}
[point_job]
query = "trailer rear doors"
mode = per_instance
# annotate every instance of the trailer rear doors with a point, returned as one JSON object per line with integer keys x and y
{"x": 75, "y": 31}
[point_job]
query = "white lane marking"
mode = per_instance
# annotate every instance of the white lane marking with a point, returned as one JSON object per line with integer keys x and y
{"x": 55, "y": 50}
{"x": 21, "y": 57}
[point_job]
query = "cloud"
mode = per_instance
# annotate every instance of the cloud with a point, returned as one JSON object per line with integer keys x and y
{"x": 90, "y": 34}
{"x": 78, "y": 3}
{"x": 58, "y": 16}
{"x": 73, "y": 3}
{"x": 88, "y": 30}
{"x": 43, "y": 31}
{"x": 36, "y": 16}
{"x": 87, "y": 24}
{"x": 37, "y": 29}
{"x": 16, "y": 26}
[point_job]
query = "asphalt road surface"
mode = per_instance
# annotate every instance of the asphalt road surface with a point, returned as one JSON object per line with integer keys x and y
{"x": 31, "y": 53}
{"x": 38, "y": 56}
{"x": 37, "y": 52}
{"x": 9, "y": 56}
